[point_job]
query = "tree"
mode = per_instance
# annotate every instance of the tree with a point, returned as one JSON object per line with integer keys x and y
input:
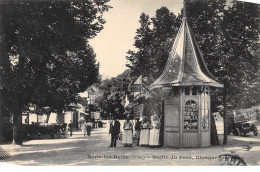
{"x": 241, "y": 30}
{"x": 241, "y": 33}
{"x": 49, "y": 58}
{"x": 225, "y": 36}
{"x": 153, "y": 42}
{"x": 115, "y": 91}
{"x": 143, "y": 40}
{"x": 228, "y": 39}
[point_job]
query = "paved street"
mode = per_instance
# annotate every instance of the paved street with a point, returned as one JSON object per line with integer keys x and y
{"x": 83, "y": 150}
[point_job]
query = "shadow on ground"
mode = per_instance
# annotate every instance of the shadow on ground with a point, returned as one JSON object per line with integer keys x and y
{"x": 83, "y": 150}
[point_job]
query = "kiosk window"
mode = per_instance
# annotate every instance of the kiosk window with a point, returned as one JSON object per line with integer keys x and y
{"x": 187, "y": 91}
{"x": 194, "y": 90}
{"x": 191, "y": 115}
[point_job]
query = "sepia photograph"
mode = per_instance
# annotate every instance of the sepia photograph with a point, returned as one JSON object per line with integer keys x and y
{"x": 129, "y": 83}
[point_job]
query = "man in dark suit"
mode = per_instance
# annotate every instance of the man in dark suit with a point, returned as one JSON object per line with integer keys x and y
{"x": 114, "y": 130}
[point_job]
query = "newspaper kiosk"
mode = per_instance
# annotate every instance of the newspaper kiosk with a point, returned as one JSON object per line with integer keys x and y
{"x": 185, "y": 85}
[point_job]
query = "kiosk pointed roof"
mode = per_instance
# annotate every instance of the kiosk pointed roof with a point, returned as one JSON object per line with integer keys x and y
{"x": 185, "y": 65}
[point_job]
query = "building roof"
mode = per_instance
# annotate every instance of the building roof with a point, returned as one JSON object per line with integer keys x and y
{"x": 139, "y": 80}
{"x": 185, "y": 65}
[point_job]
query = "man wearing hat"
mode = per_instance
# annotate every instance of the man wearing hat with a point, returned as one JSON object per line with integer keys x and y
{"x": 114, "y": 130}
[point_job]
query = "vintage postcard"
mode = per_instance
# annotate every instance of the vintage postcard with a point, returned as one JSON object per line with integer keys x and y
{"x": 129, "y": 83}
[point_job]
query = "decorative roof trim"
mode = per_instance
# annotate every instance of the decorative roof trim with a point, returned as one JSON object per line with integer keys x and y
{"x": 212, "y": 84}
{"x": 203, "y": 61}
{"x": 171, "y": 56}
{"x": 195, "y": 55}
{"x": 183, "y": 52}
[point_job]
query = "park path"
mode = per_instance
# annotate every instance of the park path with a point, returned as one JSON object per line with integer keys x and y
{"x": 81, "y": 150}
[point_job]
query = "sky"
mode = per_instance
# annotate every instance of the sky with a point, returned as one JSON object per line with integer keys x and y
{"x": 117, "y": 37}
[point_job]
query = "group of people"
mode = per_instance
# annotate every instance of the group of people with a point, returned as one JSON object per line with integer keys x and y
{"x": 86, "y": 127}
{"x": 146, "y": 134}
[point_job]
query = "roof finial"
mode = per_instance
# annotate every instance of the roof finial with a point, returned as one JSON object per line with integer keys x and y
{"x": 184, "y": 10}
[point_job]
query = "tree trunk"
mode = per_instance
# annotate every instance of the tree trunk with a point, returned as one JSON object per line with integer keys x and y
{"x": 214, "y": 133}
{"x": 225, "y": 115}
{"x": 17, "y": 128}
{"x": 1, "y": 123}
{"x": 3, "y": 60}
{"x": 1, "y": 112}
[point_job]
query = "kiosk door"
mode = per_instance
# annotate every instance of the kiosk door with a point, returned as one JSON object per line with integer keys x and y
{"x": 172, "y": 122}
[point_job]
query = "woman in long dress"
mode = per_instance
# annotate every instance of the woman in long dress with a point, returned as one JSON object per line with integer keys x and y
{"x": 83, "y": 128}
{"x": 154, "y": 132}
{"x": 128, "y": 133}
{"x": 145, "y": 133}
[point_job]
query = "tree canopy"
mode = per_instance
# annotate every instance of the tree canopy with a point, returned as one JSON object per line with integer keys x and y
{"x": 153, "y": 41}
{"x": 46, "y": 57}
{"x": 115, "y": 91}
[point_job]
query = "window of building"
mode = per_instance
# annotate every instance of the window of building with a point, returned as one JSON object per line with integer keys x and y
{"x": 187, "y": 91}
{"x": 191, "y": 115}
{"x": 194, "y": 90}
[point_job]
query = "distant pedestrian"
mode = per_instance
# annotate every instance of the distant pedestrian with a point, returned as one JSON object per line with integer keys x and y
{"x": 117, "y": 125}
{"x": 89, "y": 126}
{"x": 145, "y": 133}
{"x": 128, "y": 132}
{"x": 70, "y": 127}
{"x": 137, "y": 130}
{"x": 83, "y": 128}
{"x": 114, "y": 130}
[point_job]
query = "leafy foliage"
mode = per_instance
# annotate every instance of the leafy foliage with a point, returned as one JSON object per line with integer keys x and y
{"x": 50, "y": 58}
{"x": 153, "y": 42}
{"x": 115, "y": 91}
{"x": 46, "y": 55}
{"x": 227, "y": 36}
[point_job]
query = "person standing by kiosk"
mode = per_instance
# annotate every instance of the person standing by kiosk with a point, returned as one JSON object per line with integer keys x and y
{"x": 128, "y": 133}
{"x": 137, "y": 130}
{"x": 114, "y": 130}
{"x": 145, "y": 133}
{"x": 154, "y": 132}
